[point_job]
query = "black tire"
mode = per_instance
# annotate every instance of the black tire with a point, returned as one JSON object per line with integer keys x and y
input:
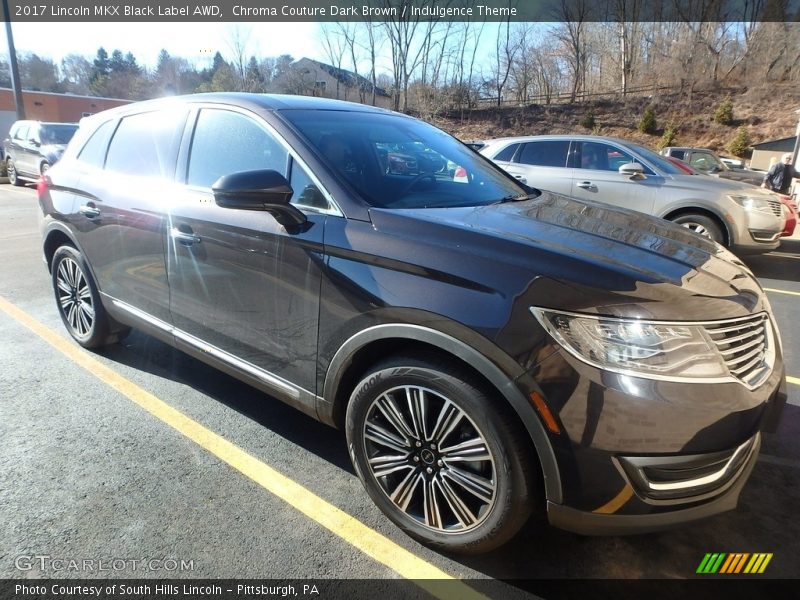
{"x": 430, "y": 460}
{"x": 79, "y": 302}
{"x": 13, "y": 178}
{"x": 702, "y": 225}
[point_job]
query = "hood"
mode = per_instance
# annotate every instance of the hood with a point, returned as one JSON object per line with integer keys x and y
{"x": 720, "y": 185}
{"x": 586, "y": 257}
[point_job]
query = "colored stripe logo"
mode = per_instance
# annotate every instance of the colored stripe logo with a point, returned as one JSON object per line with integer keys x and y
{"x": 734, "y": 563}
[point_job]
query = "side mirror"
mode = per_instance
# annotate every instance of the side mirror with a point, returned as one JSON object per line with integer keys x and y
{"x": 265, "y": 190}
{"x": 633, "y": 170}
{"x": 35, "y": 142}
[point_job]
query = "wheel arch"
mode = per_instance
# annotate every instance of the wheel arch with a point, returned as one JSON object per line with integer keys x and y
{"x": 699, "y": 210}
{"x": 53, "y": 239}
{"x": 373, "y": 344}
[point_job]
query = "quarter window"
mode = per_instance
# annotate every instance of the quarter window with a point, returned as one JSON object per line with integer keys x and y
{"x": 507, "y": 153}
{"x": 94, "y": 151}
{"x": 226, "y": 142}
{"x": 551, "y": 153}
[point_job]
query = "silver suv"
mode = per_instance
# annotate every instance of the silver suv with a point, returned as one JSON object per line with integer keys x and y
{"x": 737, "y": 215}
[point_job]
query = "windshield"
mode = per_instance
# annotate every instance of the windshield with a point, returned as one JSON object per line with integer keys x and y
{"x": 658, "y": 161}
{"x": 57, "y": 134}
{"x": 399, "y": 162}
{"x": 707, "y": 162}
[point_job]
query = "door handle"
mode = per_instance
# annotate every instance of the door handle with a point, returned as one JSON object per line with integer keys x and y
{"x": 184, "y": 237}
{"x": 89, "y": 210}
{"x": 587, "y": 185}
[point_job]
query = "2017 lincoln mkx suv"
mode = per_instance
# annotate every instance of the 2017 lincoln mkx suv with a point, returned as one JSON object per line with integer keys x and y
{"x": 489, "y": 350}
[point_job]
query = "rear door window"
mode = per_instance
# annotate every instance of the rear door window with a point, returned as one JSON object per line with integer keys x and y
{"x": 147, "y": 144}
{"x": 547, "y": 153}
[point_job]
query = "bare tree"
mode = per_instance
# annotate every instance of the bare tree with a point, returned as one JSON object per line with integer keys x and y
{"x": 238, "y": 42}
{"x": 575, "y": 15}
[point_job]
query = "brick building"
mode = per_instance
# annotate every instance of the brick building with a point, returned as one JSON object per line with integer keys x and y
{"x": 46, "y": 106}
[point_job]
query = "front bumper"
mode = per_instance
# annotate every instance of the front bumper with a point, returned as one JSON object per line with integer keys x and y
{"x": 601, "y": 522}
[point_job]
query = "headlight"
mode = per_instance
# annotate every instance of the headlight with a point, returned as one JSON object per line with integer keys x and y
{"x": 753, "y": 203}
{"x": 645, "y": 348}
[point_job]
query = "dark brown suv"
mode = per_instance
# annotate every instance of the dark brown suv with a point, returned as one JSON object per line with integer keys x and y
{"x": 489, "y": 349}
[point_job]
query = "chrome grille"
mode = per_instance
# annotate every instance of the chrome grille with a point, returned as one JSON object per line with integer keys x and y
{"x": 744, "y": 345}
{"x": 777, "y": 207}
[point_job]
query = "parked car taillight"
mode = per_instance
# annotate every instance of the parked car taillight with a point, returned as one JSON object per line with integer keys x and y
{"x": 41, "y": 186}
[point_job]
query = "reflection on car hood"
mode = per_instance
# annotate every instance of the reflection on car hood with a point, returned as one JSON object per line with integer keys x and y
{"x": 595, "y": 251}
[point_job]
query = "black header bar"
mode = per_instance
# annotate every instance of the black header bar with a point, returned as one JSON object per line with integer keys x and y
{"x": 395, "y": 10}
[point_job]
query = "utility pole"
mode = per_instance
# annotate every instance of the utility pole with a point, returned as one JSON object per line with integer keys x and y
{"x": 12, "y": 62}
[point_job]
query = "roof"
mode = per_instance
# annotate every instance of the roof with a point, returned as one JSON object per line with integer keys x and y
{"x": 555, "y": 137}
{"x": 781, "y": 145}
{"x": 247, "y": 100}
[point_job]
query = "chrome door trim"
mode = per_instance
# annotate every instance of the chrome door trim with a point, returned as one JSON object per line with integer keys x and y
{"x": 274, "y": 381}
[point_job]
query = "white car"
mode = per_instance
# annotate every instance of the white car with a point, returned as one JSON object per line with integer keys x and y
{"x": 740, "y": 216}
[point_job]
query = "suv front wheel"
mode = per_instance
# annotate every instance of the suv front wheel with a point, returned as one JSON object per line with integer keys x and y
{"x": 440, "y": 457}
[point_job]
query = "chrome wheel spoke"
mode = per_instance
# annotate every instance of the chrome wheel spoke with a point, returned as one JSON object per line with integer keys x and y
{"x": 478, "y": 486}
{"x": 72, "y": 316}
{"x": 63, "y": 285}
{"x": 386, "y": 465}
{"x": 66, "y": 302}
{"x": 433, "y": 517}
{"x": 417, "y": 407}
{"x": 88, "y": 310}
{"x": 457, "y": 505}
{"x": 449, "y": 418}
{"x": 83, "y": 322}
{"x": 469, "y": 451}
{"x": 403, "y": 493}
{"x": 64, "y": 275}
{"x": 392, "y": 414}
{"x": 379, "y": 435}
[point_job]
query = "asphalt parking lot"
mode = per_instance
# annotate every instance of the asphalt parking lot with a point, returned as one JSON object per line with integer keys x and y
{"x": 141, "y": 454}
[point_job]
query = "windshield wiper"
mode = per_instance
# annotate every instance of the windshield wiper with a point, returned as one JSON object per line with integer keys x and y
{"x": 515, "y": 198}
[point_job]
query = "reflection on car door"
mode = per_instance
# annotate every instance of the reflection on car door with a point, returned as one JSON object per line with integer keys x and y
{"x": 122, "y": 217}
{"x": 597, "y": 177}
{"x": 238, "y": 280}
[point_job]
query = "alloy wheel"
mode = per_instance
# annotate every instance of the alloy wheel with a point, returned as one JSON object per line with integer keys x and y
{"x": 430, "y": 459}
{"x": 75, "y": 297}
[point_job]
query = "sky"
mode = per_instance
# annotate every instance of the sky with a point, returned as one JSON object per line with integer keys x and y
{"x": 197, "y": 42}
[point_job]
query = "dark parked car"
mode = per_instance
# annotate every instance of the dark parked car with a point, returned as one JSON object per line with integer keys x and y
{"x": 489, "y": 350}
{"x": 32, "y": 147}
{"x": 708, "y": 163}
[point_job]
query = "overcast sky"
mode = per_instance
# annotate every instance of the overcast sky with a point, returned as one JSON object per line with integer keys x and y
{"x": 196, "y": 42}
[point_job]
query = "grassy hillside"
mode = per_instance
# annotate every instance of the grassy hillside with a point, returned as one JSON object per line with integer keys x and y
{"x": 767, "y": 112}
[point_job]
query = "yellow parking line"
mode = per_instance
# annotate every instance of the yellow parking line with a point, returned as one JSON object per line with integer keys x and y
{"x": 338, "y": 522}
{"x": 794, "y": 380}
{"x": 787, "y": 292}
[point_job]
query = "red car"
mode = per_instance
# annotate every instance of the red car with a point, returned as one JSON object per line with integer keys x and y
{"x": 790, "y": 212}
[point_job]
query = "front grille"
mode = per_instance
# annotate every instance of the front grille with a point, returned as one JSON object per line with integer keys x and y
{"x": 744, "y": 345}
{"x": 777, "y": 207}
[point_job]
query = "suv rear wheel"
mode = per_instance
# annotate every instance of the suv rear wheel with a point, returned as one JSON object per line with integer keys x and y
{"x": 13, "y": 178}
{"x": 438, "y": 455}
{"x": 79, "y": 302}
